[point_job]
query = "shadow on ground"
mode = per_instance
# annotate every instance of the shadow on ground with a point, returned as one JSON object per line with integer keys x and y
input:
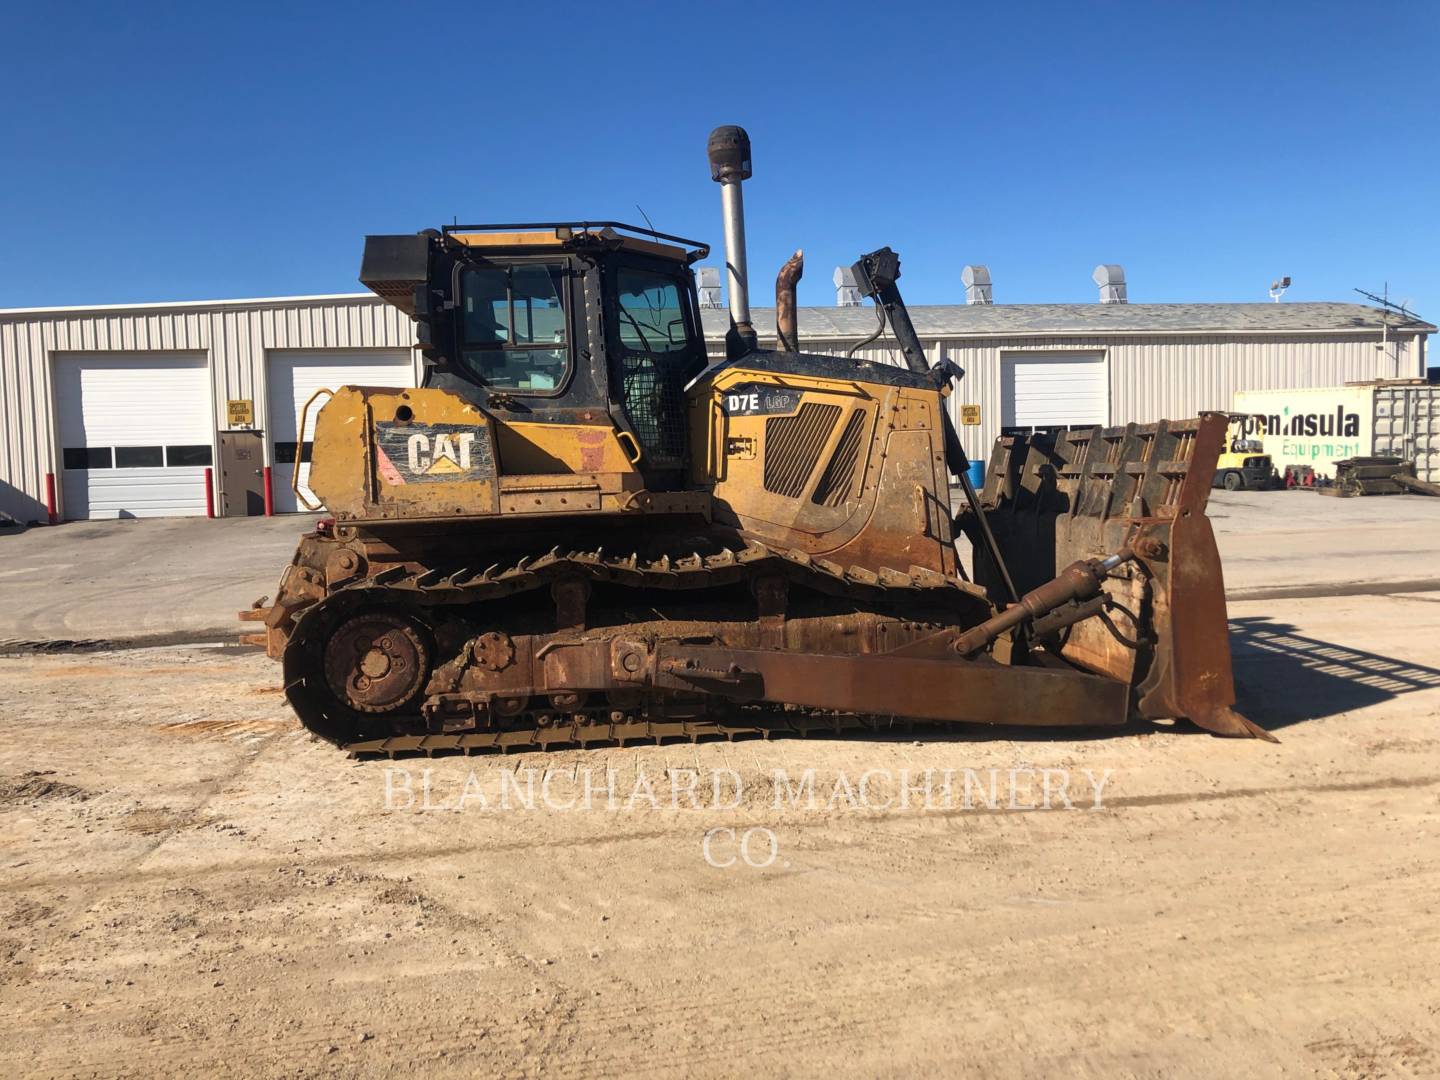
{"x": 1284, "y": 678}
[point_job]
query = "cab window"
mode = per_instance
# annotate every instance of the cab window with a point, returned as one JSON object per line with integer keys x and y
{"x": 514, "y": 327}
{"x": 651, "y": 316}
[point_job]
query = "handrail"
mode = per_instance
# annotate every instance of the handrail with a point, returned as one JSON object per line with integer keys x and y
{"x": 582, "y": 226}
{"x": 300, "y": 451}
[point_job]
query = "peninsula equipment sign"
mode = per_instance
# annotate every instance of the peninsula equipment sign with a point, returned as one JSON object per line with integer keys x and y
{"x": 1314, "y": 427}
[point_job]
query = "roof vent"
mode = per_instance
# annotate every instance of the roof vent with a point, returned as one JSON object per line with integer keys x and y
{"x": 847, "y": 293}
{"x": 707, "y": 280}
{"x": 977, "y": 285}
{"x": 1111, "y": 279}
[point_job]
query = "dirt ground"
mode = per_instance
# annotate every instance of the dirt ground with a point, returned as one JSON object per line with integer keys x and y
{"x": 191, "y": 883}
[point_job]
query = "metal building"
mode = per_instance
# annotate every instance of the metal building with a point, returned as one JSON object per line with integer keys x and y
{"x": 1034, "y": 365}
{"x": 119, "y": 411}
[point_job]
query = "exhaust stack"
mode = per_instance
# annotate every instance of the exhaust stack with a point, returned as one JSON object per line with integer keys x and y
{"x": 729, "y": 153}
{"x": 787, "y": 321}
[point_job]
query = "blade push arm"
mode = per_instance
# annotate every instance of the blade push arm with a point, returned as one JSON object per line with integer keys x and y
{"x": 876, "y": 275}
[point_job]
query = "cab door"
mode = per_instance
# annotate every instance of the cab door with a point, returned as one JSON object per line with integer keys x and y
{"x": 655, "y": 348}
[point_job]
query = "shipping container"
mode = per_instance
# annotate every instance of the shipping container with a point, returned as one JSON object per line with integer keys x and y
{"x": 1407, "y": 425}
{"x": 1319, "y": 426}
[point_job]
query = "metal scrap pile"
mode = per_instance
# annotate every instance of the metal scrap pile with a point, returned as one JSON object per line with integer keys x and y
{"x": 1377, "y": 476}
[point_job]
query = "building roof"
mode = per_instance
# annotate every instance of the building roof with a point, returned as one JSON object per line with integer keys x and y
{"x": 1049, "y": 320}
{"x": 192, "y": 305}
{"x": 950, "y": 320}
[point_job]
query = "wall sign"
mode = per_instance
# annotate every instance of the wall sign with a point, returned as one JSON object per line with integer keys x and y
{"x": 1315, "y": 427}
{"x": 240, "y": 412}
{"x": 970, "y": 415}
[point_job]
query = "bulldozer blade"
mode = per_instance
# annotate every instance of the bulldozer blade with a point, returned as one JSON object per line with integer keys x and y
{"x": 1054, "y": 498}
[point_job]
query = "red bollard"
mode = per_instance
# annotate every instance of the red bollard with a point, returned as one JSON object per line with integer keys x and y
{"x": 209, "y": 494}
{"x": 50, "y": 498}
{"x": 269, "y": 494}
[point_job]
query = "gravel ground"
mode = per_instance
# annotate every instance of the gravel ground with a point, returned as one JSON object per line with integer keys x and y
{"x": 191, "y": 883}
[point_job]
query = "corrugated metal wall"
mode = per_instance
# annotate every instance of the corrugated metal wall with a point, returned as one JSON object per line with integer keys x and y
{"x": 234, "y": 336}
{"x": 1155, "y": 378}
{"x": 1150, "y": 377}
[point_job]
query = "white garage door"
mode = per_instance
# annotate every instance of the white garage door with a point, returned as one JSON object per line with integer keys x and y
{"x": 136, "y": 433}
{"x": 294, "y": 377}
{"x": 1050, "y": 389}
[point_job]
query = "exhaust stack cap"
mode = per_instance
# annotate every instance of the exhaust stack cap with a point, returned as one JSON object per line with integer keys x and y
{"x": 729, "y": 152}
{"x": 976, "y": 279}
{"x": 847, "y": 292}
{"x": 707, "y": 281}
{"x": 1111, "y": 279}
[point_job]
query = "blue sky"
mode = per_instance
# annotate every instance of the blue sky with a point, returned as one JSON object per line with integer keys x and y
{"x": 163, "y": 152}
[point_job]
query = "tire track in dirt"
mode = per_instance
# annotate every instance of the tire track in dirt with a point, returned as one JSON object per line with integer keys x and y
{"x": 697, "y": 825}
{"x": 1272, "y": 947}
{"x": 840, "y": 1008}
{"x": 96, "y": 889}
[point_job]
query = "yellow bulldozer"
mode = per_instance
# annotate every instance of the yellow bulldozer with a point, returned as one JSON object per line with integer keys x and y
{"x": 582, "y": 530}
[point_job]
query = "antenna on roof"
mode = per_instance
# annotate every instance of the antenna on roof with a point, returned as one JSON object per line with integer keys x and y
{"x": 1389, "y": 305}
{"x": 1386, "y": 302}
{"x": 645, "y": 216}
{"x": 1278, "y": 287}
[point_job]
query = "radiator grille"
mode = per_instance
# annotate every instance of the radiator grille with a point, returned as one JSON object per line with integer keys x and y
{"x": 793, "y": 445}
{"x": 839, "y": 475}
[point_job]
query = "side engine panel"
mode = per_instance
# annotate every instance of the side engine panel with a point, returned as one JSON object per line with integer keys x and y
{"x": 840, "y": 468}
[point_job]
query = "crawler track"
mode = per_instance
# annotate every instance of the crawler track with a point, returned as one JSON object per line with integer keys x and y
{"x": 478, "y": 599}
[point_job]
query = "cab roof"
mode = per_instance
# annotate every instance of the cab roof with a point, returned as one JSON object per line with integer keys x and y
{"x": 561, "y": 235}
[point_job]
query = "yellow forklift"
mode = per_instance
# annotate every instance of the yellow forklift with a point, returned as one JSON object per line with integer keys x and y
{"x": 1243, "y": 464}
